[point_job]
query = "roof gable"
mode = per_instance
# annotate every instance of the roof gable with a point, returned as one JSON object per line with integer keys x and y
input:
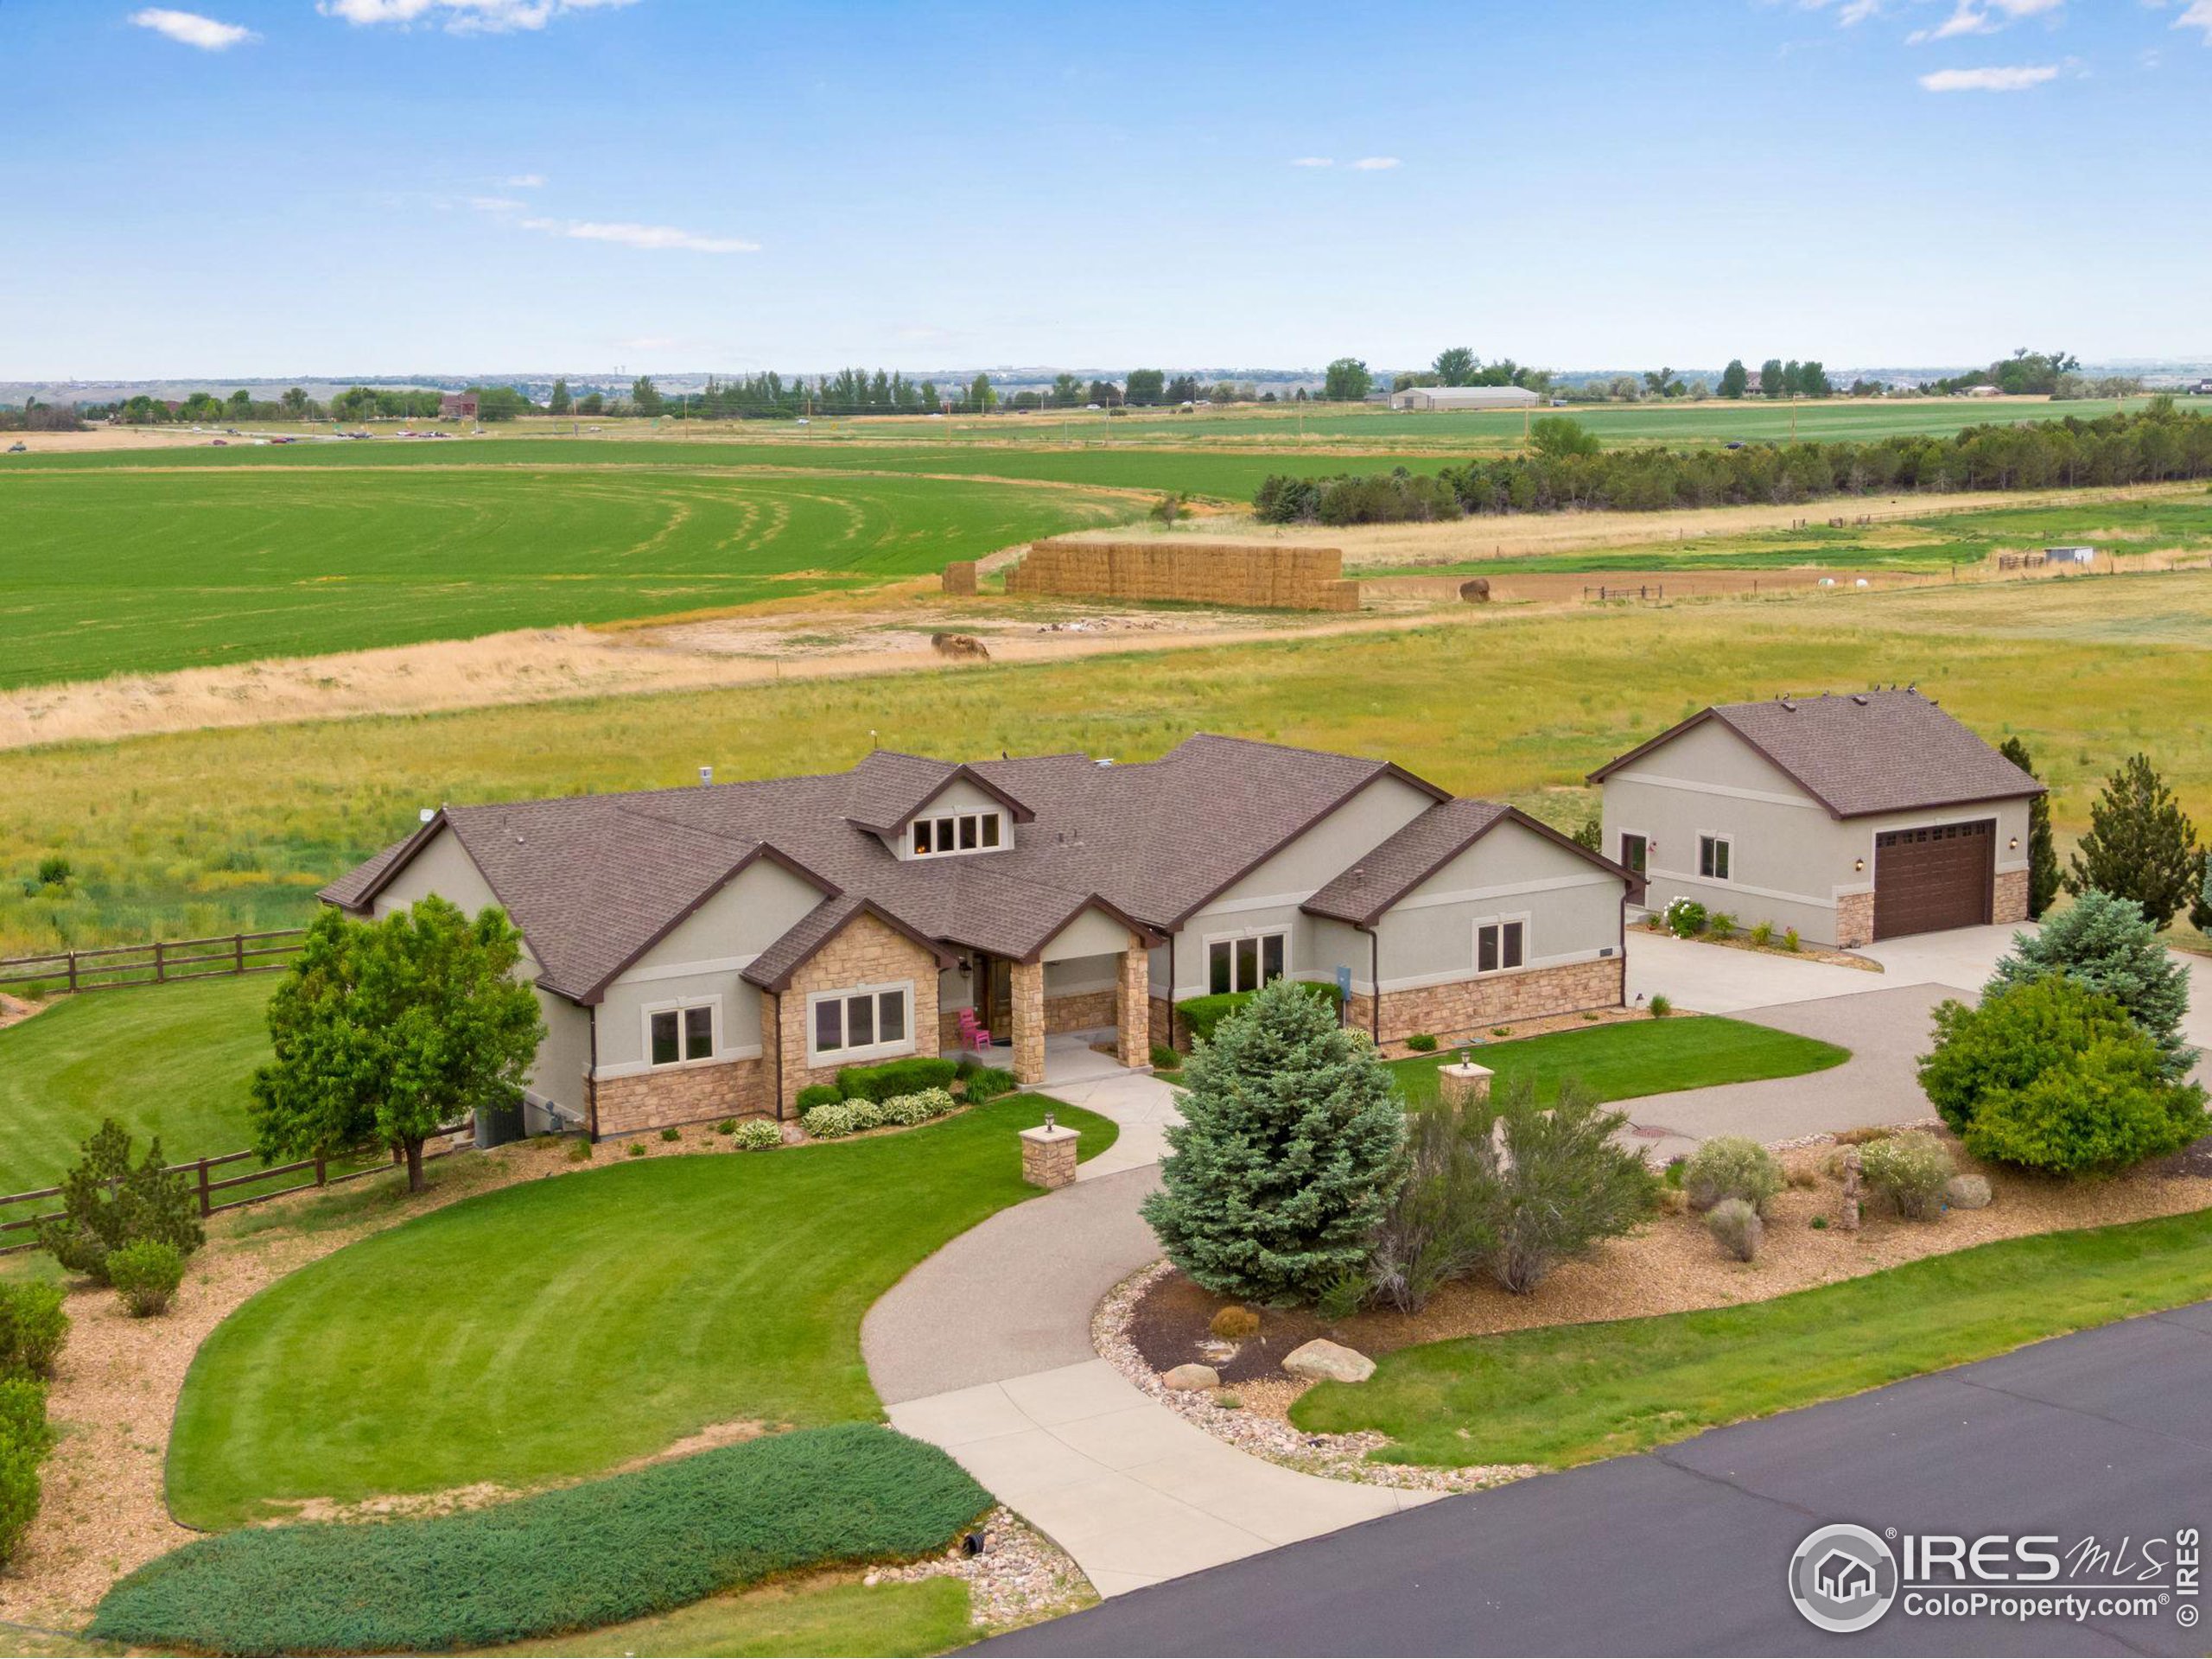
{"x": 1365, "y": 894}
{"x": 888, "y": 788}
{"x": 1861, "y": 753}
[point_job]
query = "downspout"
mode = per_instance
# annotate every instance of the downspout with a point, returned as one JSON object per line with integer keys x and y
{"x": 776, "y": 1081}
{"x": 1374, "y": 985}
{"x": 1171, "y": 991}
{"x": 591, "y": 1081}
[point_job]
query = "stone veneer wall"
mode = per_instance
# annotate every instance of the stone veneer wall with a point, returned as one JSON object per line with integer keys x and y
{"x": 1133, "y": 1007}
{"x": 1468, "y": 1006}
{"x": 676, "y": 1095}
{"x": 1029, "y": 1012}
{"x": 1263, "y": 575}
{"x": 1079, "y": 1011}
{"x": 864, "y": 953}
{"x": 1854, "y": 920}
{"x": 2009, "y": 903}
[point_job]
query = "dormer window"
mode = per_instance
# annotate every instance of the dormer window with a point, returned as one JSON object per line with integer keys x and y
{"x": 958, "y": 832}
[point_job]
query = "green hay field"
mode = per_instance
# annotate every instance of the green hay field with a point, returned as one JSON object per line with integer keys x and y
{"x": 1496, "y": 703}
{"x": 110, "y": 572}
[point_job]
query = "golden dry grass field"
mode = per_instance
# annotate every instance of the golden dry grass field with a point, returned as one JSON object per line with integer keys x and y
{"x": 203, "y": 831}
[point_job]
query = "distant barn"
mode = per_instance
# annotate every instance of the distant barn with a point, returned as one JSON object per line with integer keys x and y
{"x": 1464, "y": 398}
{"x": 457, "y": 406}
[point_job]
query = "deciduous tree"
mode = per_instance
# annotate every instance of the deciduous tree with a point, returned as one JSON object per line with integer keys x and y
{"x": 1455, "y": 365}
{"x": 387, "y": 1032}
{"x": 1735, "y": 379}
{"x": 1346, "y": 381}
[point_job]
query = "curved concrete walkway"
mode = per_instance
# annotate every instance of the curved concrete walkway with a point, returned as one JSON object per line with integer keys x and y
{"x": 985, "y": 1349}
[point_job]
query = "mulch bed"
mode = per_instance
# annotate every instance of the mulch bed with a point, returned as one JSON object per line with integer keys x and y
{"x": 1170, "y": 1329}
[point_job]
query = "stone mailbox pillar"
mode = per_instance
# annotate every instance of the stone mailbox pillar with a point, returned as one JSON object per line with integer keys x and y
{"x": 1048, "y": 1154}
{"x": 1464, "y": 1084}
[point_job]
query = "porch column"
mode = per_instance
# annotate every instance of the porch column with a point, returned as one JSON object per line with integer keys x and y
{"x": 1028, "y": 1021}
{"x": 1133, "y": 1007}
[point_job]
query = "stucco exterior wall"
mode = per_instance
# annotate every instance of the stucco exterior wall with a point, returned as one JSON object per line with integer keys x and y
{"x": 702, "y": 960}
{"x": 1791, "y": 864}
{"x": 1267, "y": 897}
{"x": 441, "y": 866}
{"x": 1573, "y": 909}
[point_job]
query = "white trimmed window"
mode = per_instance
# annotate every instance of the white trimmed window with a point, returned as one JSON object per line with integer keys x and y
{"x": 958, "y": 832}
{"x": 682, "y": 1034}
{"x": 1246, "y": 961}
{"x": 867, "y": 1022}
{"x": 1716, "y": 857}
{"x": 1501, "y": 944}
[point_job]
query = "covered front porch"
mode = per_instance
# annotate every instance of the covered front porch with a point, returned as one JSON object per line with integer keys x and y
{"x": 1039, "y": 1018}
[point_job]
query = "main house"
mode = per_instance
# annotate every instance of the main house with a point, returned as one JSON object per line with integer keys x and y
{"x": 1848, "y": 818}
{"x": 707, "y": 952}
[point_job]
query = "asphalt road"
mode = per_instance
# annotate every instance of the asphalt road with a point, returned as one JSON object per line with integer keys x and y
{"x": 2107, "y": 1433}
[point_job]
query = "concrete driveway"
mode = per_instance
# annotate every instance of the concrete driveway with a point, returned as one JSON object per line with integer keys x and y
{"x": 1714, "y": 979}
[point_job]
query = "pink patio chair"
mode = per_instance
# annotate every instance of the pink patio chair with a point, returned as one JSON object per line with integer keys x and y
{"x": 973, "y": 1033}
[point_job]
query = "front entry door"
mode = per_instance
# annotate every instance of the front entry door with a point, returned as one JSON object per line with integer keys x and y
{"x": 994, "y": 996}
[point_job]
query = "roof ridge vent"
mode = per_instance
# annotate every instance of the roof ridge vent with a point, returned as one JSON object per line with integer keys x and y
{"x": 1859, "y": 698}
{"x": 1788, "y": 707}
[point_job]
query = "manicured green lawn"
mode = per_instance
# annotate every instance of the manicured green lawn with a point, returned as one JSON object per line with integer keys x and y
{"x": 1572, "y": 1394}
{"x": 560, "y": 1326}
{"x": 172, "y": 1060}
{"x": 1636, "y": 1057}
{"x": 811, "y": 1619}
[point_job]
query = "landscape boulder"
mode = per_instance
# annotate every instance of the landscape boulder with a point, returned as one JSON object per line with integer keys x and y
{"x": 1189, "y": 1378}
{"x": 1967, "y": 1193}
{"x": 1323, "y": 1361}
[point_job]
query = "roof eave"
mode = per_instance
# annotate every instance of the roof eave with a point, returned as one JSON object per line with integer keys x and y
{"x": 782, "y": 982}
{"x": 597, "y": 993}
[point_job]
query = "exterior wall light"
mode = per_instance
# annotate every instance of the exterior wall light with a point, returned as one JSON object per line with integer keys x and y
{"x": 2015, "y": 846}
{"x": 1859, "y": 865}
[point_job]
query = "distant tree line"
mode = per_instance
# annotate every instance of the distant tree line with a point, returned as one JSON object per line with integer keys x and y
{"x": 34, "y": 417}
{"x": 1567, "y": 467}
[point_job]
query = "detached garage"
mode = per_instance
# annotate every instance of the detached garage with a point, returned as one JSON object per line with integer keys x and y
{"x": 1850, "y": 818}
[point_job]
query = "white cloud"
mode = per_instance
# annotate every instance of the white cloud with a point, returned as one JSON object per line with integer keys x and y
{"x": 1857, "y": 11}
{"x": 1323, "y": 161}
{"x": 190, "y": 29}
{"x": 497, "y": 204}
{"x": 656, "y": 237}
{"x": 1967, "y": 18}
{"x": 525, "y": 182}
{"x": 2199, "y": 16}
{"x": 1376, "y": 163}
{"x": 462, "y": 16}
{"x": 2017, "y": 78}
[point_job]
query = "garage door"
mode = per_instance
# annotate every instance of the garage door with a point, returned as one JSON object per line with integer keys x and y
{"x": 1933, "y": 878}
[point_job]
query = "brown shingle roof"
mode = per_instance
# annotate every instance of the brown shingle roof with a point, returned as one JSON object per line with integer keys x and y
{"x": 1401, "y": 863}
{"x": 1864, "y": 752}
{"x": 773, "y": 968}
{"x": 593, "y": 881}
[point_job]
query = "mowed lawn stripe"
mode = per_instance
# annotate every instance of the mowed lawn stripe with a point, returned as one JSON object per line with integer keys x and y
{"x": 167, "y": 1060}
{"x": 561, "y": 1327}
{"x": 1623, "y": 1060}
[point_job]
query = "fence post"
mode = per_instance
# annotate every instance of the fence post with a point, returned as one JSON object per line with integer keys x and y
{"x": 73, "y": 971}
{"x": 161, "y": 973}
{"x": 320, "y": 1177}
{"x": 204, "y": 1210}
{"x": 237, "y": 953}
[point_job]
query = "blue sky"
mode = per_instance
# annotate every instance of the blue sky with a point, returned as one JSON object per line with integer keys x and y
{"x": 279, "y": 187}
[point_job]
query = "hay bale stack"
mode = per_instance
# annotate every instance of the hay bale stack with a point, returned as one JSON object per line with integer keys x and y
{"x": 1256, "y": 577}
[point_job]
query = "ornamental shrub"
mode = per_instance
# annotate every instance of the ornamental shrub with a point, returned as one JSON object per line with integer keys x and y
{"x": 1565, "y": 1185}
{"x": 32, "y": 1328}
{"x": 818, "y": 1094}
{"x": 2108, "y": 944}
{"x": 1686, "y": 918}
{"x": 1202, "y": 1015}
{"x": 107, "y": 1202}
{"x": 1421, "y": 1043}
{"x": 907, "y": 1110}
{"x": 987, "y": 1083}
{"x": 1730, "y": 1167}
{"x": 146, "y": 1274}
{"x": 1164, "y": 1058}
{"x": 1662, "y": 1005}
{"x": 756, "y": 1135}
{"x": 1736, "y": 1226}
{"x": 1720, "y": 926}
{"x": 24, "y": 1442}
{"x": 1762, "y": 934}
{"x": 1907, "y": 1170}
{"x": 1291, "y": 1149}
{"x": 904, "y": 1077}
{"x": 2050, "y": 1075}
{"x": 575, "y": 1559}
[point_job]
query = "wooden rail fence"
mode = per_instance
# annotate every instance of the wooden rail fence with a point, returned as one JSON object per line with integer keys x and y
{"x": 199, "y": 1174}
{"x": 162, "y": 963}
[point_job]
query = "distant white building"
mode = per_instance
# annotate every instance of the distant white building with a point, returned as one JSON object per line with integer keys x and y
{"x": 1464, "y": 398}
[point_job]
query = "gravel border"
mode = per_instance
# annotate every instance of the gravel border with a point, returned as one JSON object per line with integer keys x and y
{"x": 1019, "y": 1577}
{"x": 1332, "y": 1457}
